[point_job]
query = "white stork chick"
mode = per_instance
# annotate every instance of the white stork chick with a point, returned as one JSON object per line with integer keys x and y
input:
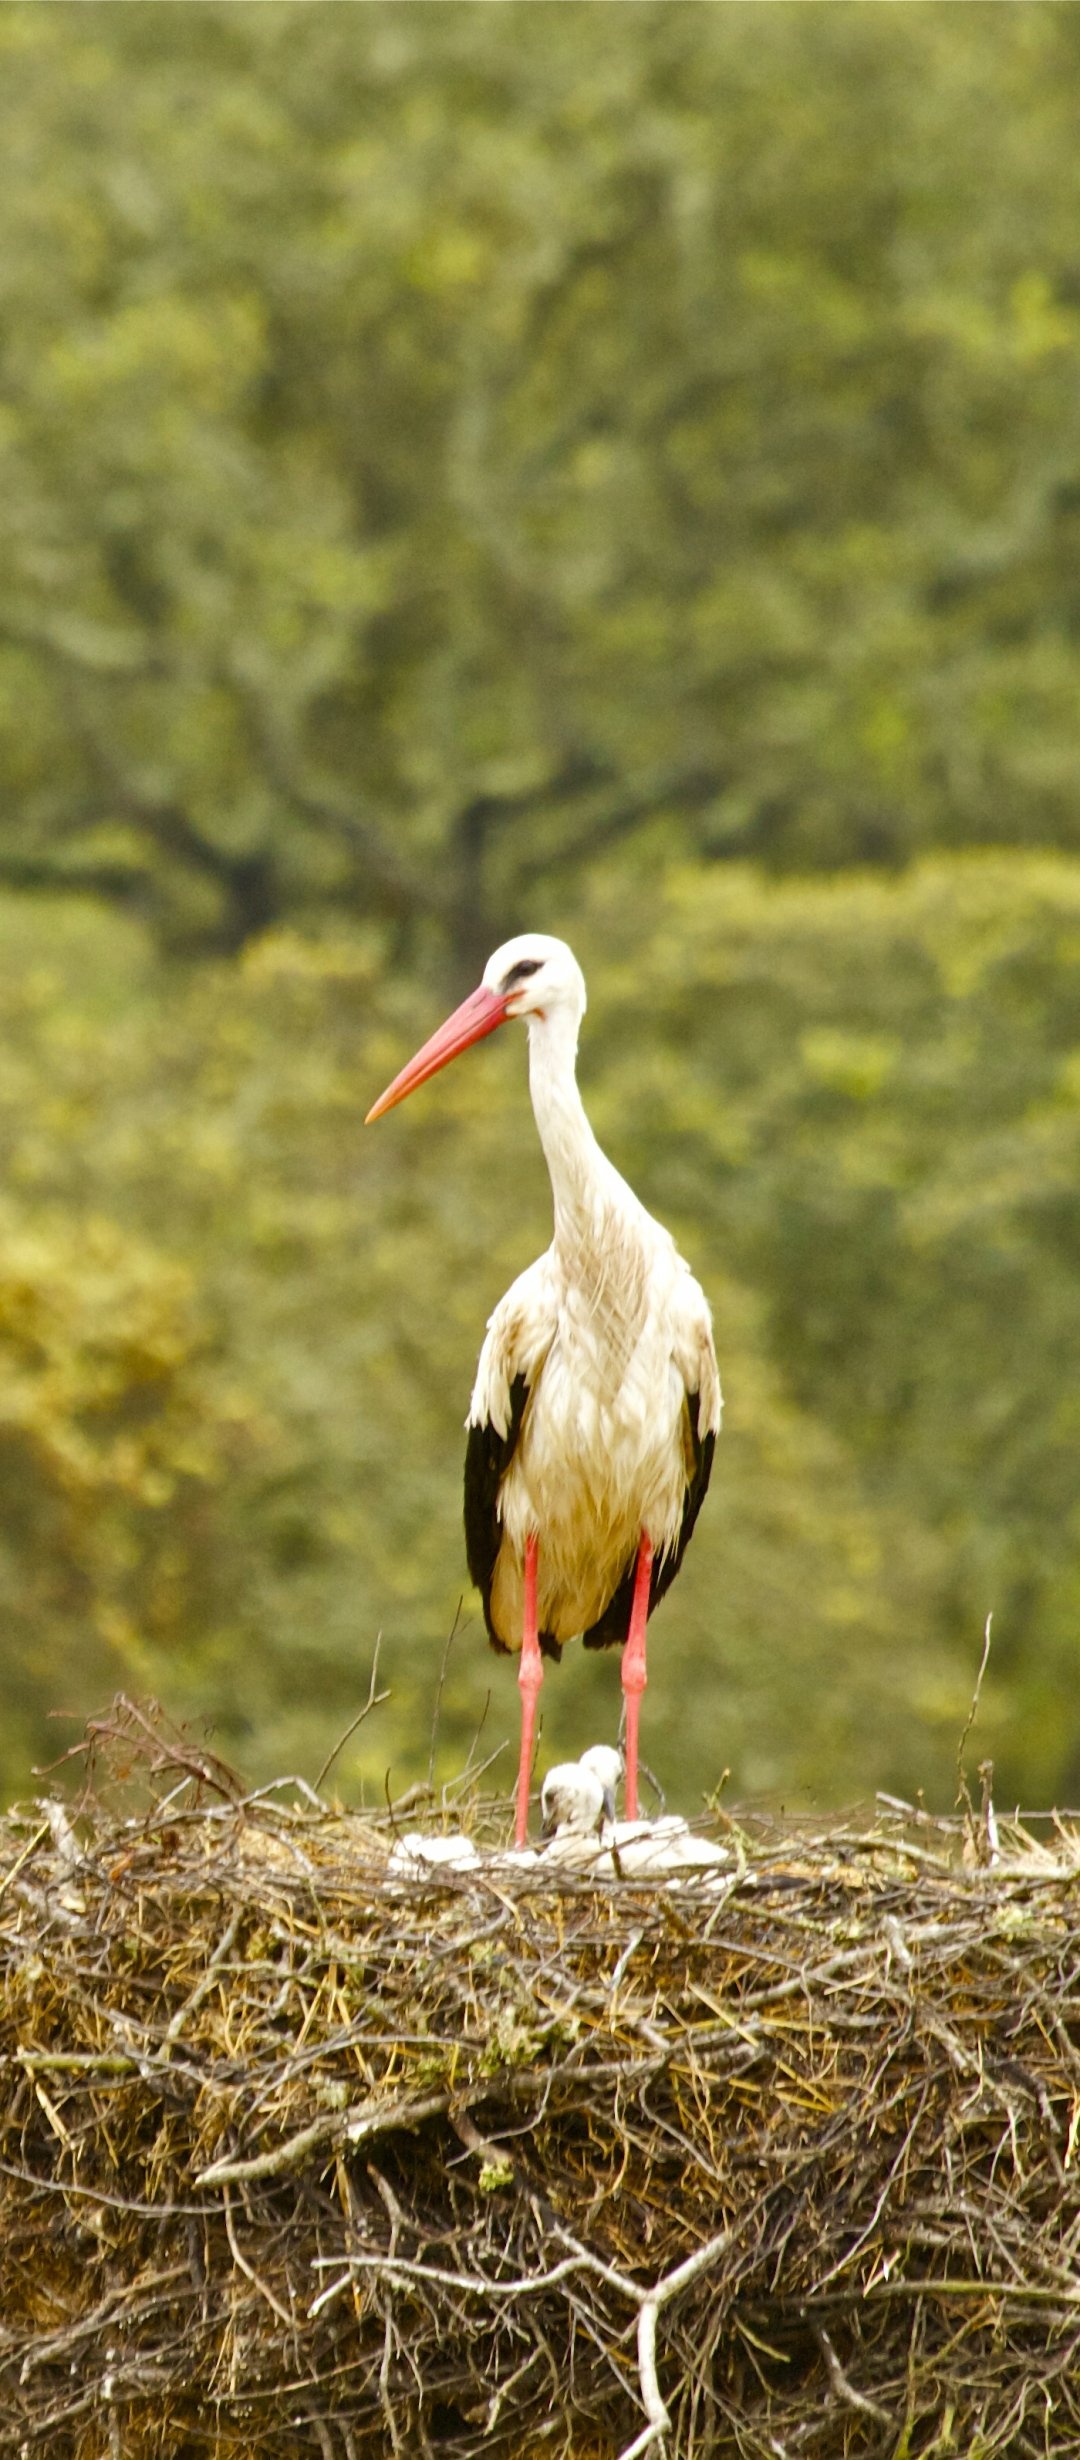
{"x": 578, "y": 1811}
{"x": 596, "y": 1405}
{"x": 574, "y": 1815}
{"x": 603, "y": 1761}
{"x": 416, "y": 1856}
{"x": 667, "y": 1846}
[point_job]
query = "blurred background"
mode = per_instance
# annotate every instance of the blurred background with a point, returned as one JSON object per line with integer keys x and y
{"x": 613, "y": 470}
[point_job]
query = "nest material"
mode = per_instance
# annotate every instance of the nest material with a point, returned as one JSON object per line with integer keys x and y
{"x": 300, "y": 2159}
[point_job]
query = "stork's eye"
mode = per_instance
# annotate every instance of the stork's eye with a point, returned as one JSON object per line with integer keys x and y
{"x": 521, "y": 972}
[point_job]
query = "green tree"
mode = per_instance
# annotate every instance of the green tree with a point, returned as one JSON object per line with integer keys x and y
{"x": 440, "y": 445}
{"x": 111, "y": 1451}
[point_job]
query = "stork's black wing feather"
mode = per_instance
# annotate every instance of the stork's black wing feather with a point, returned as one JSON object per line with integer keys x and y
{"x": 487, "y": 1458}
{"x": 610, "y": 1628}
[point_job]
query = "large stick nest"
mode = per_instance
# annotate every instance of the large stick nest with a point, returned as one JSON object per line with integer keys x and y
{"x": 298, "y": 2157}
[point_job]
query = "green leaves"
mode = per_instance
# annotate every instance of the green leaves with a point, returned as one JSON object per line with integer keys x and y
{"x": 434, "y": 455}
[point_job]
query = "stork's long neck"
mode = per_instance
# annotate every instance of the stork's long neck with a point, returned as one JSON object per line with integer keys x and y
{"x": 577, "y": 1166}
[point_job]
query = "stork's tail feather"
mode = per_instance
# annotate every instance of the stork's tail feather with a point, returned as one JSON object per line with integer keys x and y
{"x": 611, "y": 1628}
{"x": 549, "y": 1646}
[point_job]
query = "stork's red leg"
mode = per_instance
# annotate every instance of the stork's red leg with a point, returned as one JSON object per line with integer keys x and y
{"x": 530, "y": 1677}
{"x": 634, "y": 1677}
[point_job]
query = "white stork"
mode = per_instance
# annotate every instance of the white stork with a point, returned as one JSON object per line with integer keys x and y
{"x": 596, "y": 1405}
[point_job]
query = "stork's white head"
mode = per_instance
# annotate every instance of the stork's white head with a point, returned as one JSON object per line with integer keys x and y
{"x": 572, "y": 1801}
{"x": 534, "y": 975}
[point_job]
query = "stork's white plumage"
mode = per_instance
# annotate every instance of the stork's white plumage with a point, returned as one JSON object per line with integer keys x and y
{"x": 416, "y": 1856}
{"x": 597, "y": 1400}
{"x": 579, "y": 1822}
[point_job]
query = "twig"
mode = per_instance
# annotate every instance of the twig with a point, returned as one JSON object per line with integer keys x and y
{"x": 271, "y": 2164}
{"x": 373, "y": 1700}
{"x": 470, "y": 1777}
{"x": 471, "y": 2284}
{"x": 24, "y": 1857}
{"x": 138, "y": 1729}
{"x": 250, "y": 2274}
{"x": 1023, "y": 2293}
{"x": 78, "y": 2062}
{"x": 444, "y": 1662}
{"x": 413, "y": 1794}
{"x": 206, "y": 1981}
{"x": 846, "y": 2390}
{"x": 470, "y": 1757}
{"x": 348, "y": 2127}
{"x": 652, "y": 2400}
{"x": 963, "y": 1797}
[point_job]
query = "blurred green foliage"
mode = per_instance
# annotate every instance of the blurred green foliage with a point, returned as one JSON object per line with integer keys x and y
{"x": 614, "y": 470}
{"x": 439, "y": 444}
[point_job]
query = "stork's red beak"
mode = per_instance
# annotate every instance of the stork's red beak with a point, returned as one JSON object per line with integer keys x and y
{"x": 478, "y": 1015}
